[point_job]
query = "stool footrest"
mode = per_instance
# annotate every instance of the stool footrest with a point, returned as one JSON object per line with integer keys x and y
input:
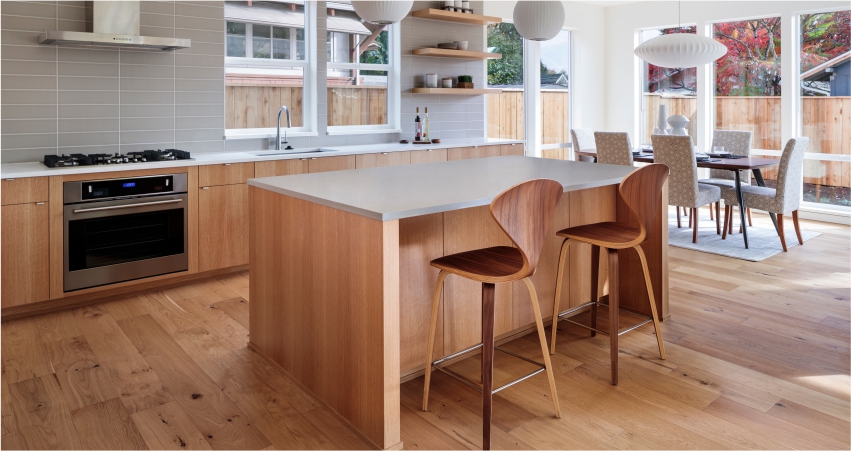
{"x": 476, "y": 386}
{"x": 599, "y": 304}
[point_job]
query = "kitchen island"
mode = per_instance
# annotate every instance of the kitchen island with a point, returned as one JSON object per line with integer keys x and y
{"x": 341, "y": 286}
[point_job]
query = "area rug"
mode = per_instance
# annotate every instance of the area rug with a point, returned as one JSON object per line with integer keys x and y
{"x": 762, "y": 238}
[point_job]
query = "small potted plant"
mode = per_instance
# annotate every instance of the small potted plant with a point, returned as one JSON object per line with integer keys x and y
{"x": 465, "y": 81}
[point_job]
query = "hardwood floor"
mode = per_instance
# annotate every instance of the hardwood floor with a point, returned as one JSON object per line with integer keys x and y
{"x": 758, "y": 357}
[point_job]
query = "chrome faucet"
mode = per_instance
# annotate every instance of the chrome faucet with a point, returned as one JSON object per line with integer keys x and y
{"x": 278, "y": 138}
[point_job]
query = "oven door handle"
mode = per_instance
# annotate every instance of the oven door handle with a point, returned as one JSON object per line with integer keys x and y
{"x": 116, "y": 207}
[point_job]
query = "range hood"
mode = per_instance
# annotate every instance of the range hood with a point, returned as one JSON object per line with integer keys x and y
{"x": 113, "y": 24}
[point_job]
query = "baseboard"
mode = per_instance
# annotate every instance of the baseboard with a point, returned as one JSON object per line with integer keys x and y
{"x": 71, "y": 301}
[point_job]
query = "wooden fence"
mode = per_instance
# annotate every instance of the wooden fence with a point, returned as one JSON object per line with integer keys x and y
{"x": 505, "y": 116}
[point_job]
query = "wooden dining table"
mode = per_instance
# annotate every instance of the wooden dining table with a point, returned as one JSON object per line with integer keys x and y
{"x": 754, "y": 165}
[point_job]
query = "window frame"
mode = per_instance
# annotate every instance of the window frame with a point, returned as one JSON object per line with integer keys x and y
{"x": 570, "y": 99}
{"x": 394, "y": 94}
{"x": 309, "y": 68}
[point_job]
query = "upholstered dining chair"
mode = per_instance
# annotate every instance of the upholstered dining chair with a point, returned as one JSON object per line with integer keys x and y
{"x": 683, "y": 189}
{"x": 613, "y": 148}
{"x": 737, "y": 143}
{"x": 784, "y": 199}
{"x": 583, "y": 139}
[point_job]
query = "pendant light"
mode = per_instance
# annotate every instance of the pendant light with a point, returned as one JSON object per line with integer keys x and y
{"x": 680, "y": 50}
{"x": 538, "y": 20}
{"x": 382, "y": 12}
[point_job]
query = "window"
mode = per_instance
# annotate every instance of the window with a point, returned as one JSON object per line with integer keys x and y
{"x": 363, "y": 78}
{"x": 505, "y": 110}
{"x": 267, "y": 66}
{"x": 555, "y": 98}
{"x": 824, "y": 102}
{"x": 675, "y": 89}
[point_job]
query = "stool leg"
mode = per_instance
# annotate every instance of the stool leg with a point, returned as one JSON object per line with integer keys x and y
{"x": 435, "y": 304}
{"x": 655, "y": 315}
{"x": 487, "y": 362}
{"x": 614, "y": 327}
{"x": 562, "y": 258}
{"x": 533, "y": 295}
{"x": 595, "y": 282}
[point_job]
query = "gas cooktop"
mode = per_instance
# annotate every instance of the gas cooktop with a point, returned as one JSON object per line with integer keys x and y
{"x": 144, "y": 156}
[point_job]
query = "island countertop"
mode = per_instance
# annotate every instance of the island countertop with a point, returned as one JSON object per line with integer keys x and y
{"x": 397, "y": 192}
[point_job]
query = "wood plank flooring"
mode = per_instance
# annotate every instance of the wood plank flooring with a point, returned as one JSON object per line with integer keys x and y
{"x": 758, "y": 358}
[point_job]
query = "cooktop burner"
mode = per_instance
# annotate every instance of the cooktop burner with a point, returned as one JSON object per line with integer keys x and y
{"x": 78, "y": 159}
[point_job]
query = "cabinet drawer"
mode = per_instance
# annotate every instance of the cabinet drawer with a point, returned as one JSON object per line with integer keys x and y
{"x": 428, "y": 156}
{"x": 377, "y": 160}
{"x": 225, "y": 174}
{"x": 280, "y": 167}
{"x": 327, "y": 164}
{"x": 24, "y": 191}
{"x": 463, "y": 153}
{"x": 513, "y": 149}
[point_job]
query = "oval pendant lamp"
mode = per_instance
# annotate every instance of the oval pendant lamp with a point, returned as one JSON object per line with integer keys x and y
{"x": 538, "y": 20}
{"x": 680, "y": 50}
{"x": 382, "y": 12}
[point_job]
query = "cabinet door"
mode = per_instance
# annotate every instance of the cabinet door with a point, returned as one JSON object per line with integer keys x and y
{"x": 280, "y": 167}
{"x": 378, "y": 160}
{"x": 428, "y": 156}
{"x": 463, "y": 153}
{"x": 327, "y": 164}
{"x": 26, "y": 254}
{"x": 222, "y": 226}
{"x": 513, "y": 149}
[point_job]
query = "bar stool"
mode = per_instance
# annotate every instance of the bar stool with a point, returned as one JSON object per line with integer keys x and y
{"x": 641, "y": 192}
{"x": 524, "y": 213}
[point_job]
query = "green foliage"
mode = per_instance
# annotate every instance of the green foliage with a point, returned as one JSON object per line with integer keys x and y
{"x": 509, "y": 69}
{"x": 465, "y": 78}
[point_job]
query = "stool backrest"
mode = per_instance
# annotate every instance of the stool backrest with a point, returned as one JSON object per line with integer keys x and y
{"x": 641, "y": 190}
{"x": 524, "y": 212}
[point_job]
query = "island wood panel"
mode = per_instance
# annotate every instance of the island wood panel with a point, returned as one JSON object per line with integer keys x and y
{"x": 24, "y": 191}
{"x": 223, "y": 238}
{"x": 26, "y": 254}
{"x": 332, "y": 320}
{"x": 420, "y": 242}
{"x": 465, "y": 230}
{"x": 225, "y": 174}
{"x": 463, "y": 153}
{"x": 377, "y": 160}
{"x": 327, "y": 164}
{"x": 280, "y": 167}
{"x": 587, "y": 207}
{"x": 428, "y": 156}
{"x": 513, "y": 149}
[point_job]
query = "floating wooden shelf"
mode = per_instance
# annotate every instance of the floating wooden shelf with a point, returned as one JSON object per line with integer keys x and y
{"x": 451, "y": 16}
{"x": 449, "y": 53}
{"x": 455, "y": 91}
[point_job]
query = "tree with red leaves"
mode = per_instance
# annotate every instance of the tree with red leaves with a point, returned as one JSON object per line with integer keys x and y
{"x": 824, "y": 37}
{"x": 751, "y": 66}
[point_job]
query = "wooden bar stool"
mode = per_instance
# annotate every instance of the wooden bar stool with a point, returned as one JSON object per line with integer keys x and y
{"x": 524, "y": 213}
{"x": 641, "y": 192}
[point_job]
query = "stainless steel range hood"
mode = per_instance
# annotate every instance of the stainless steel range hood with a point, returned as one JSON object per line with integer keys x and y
{"x": 113, "y": 24}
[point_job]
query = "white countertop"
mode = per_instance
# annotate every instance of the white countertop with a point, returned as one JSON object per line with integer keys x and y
{"x": 397, "y": 192}
{"x": 37, "y": 169}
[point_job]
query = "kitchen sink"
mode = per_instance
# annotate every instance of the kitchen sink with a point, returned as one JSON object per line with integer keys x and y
{"x": 270, "y": 153}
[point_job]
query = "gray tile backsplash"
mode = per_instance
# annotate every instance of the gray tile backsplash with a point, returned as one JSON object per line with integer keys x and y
{"x": 69, "y": 100}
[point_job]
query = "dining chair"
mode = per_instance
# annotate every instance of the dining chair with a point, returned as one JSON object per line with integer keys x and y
{"x": 784, "y": 199}
{"x": 583, "y": 139}
{"x": 613, "y": 148}
{"x": 683, "y": 189}
{"x": 735, "y": 142}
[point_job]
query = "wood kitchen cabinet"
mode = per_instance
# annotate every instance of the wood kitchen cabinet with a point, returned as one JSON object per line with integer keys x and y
{"x": 377, "y": 160}
{"x": 463, "y": 153}
{"x": 225, "y": 174}
{"x": 280, "y": 167}
{"x": 517, "y": 149}
{"x": 327, "y": 164}
{"x": 428, "y": 156}
{"x": 26, "y": 253}
{"x": 222, "y": 226}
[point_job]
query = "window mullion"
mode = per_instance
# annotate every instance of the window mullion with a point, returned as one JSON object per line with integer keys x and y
{"x": 249, "y": 40}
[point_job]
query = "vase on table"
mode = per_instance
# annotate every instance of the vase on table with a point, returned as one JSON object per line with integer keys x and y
{"x": 678, "y": 124}
{"x": 660, "y": 120}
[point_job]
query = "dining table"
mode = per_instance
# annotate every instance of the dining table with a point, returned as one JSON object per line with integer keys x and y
{"x": 755, "y": 165}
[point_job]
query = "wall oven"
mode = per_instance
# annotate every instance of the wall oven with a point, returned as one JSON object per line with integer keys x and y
{"x": 124, "y": 229}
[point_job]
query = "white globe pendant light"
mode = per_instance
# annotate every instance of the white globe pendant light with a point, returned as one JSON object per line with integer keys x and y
{"x": 382, "y": 12}
{"x": 680, "y": 49}
{"x": 538, "y": 20}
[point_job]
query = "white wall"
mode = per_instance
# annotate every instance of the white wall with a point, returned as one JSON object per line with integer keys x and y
{"x": 587, "y": 23}
{"x": 620, "y": 76}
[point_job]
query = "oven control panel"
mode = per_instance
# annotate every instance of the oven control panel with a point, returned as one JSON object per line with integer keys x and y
{"x": 127, "y": 187}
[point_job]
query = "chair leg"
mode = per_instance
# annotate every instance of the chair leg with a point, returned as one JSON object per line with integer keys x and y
{"x": 435, "y": 305}
{"x": 614, "y": 327}
{"x": 797, "y": 227}
{"x": 542, "y": 337}
{"x": 717, "y": 217}
{"x": 565, "y": 245}
{"x": 750, "y": 218}
{"x": 694, "y": 214}
{"x": 689, "y": 212}
{"x": 488, "y": 290}
{"x": 726, "y": 221}
{"x": 595, "y": 283}
{"x": 653, "y": 312}
{"x": 679, "y": 222}
{"x": 780, "y": 232}
{"x": 711, "y": 216}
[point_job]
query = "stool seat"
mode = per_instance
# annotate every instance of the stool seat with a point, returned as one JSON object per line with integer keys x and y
{"x": 492, "y": 264}
{"x": 611, "y": 235}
